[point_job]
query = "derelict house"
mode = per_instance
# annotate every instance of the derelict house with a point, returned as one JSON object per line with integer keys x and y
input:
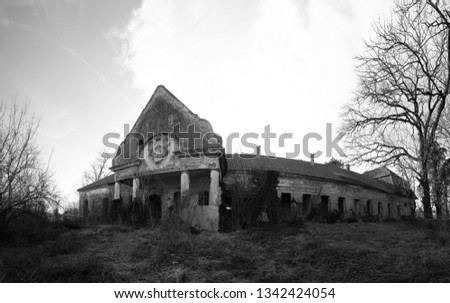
{"x": 172, "y": 156}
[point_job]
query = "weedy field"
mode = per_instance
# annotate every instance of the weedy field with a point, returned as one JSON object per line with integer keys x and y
{"x": 358, "y": 252}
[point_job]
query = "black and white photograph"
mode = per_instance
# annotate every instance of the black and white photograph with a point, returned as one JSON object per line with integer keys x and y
{"x": 252, "y": 150}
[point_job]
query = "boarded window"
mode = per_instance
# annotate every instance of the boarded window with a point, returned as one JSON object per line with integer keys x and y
{"x": 203, "y": 198}
{"x": 286, "y": 201}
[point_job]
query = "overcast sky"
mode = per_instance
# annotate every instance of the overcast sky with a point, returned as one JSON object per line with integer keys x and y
{"x": 89, "y": 67}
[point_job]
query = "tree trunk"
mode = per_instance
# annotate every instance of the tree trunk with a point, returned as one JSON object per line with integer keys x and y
{"x": 426, "y": 200}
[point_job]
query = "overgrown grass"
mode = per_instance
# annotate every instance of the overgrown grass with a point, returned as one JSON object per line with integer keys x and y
{"x": 360, "y": 252}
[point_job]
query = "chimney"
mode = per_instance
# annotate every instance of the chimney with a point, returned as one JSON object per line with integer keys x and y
{"x": 312, "y": 159}
{"x": 347, "y": 166}
{"x": 258, "y": 150}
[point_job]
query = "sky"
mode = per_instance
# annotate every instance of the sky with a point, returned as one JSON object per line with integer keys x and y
{"x": 89, "y": 67}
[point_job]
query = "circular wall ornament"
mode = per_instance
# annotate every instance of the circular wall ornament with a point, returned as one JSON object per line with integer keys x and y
{"x": 158, "y": 147}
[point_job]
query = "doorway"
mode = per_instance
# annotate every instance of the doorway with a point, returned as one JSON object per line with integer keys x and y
{"x": 154, "y": 205}
{"x": 369, "y": 207}
{"x": 324, "y": 205}
{"x": 286, "y": 201}
{"x": 341, "y": 206}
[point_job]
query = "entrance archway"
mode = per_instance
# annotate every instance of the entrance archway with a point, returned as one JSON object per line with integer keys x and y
{"x": 154, "y": 205}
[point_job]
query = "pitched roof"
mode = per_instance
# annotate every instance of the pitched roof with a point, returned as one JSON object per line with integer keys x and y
{"x": 237, "y": 162}
{"x": 384, "y": 174}
{"x": 154, "y": 119}
{"x": 100, "y": 183}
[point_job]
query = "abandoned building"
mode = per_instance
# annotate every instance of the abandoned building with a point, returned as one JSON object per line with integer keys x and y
{"x": 156, "y": 166}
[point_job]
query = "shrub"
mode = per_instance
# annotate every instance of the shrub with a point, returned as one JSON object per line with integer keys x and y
{"x": 250, "y": 198}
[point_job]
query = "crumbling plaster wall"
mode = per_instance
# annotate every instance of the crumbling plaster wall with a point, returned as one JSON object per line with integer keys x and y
{"x": 298, "y": 186}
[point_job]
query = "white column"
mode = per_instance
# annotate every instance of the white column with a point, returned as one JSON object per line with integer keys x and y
{"x": 135, "y": 187}
{"x": 184, "y": 185}
{"x": 214, "y": 187}
{"x": 117, "y": 190}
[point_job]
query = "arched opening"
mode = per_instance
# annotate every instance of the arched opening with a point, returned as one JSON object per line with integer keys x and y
{"x": 154, "y": 205}
{"x": 380, "y": 208}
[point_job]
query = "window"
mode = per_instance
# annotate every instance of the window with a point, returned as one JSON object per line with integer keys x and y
{"x": 203, "y": 198}
{"x": 380, "y": 208}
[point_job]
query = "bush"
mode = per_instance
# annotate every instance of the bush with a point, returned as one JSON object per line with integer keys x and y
{"x": 250, "y": 198}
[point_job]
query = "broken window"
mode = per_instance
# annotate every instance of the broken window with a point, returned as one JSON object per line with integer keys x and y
{"x": 286, "y": 201}
{"x": 203, "y": 198}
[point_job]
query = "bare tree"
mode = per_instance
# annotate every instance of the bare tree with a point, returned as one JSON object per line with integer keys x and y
{"x": 26, "y": 184}
{"x": 404, "y": 82}
{"x": 98, "y": 170}
{"x": 335, "y": 162}
{"x": 407, "y": 170}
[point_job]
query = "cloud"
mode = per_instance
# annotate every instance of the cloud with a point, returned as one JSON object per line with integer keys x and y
{"x": 284, "y": 62}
